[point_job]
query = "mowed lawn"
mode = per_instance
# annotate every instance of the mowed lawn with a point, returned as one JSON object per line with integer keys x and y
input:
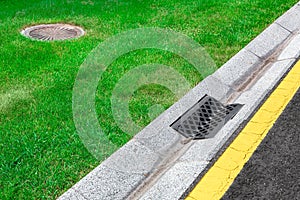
{"x": 40, "y": 152}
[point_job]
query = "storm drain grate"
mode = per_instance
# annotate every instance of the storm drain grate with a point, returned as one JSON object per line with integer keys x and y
{"x": 49, "y": 32}
{"x": 205, "y": 118}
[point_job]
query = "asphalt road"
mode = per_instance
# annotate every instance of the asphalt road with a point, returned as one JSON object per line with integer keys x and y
{"x": 273, "y": 171}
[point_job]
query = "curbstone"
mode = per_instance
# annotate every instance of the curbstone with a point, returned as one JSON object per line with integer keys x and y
{"x": 181, "y": 176}
{"x": 265, "y": 84}
{"x": 234, "y": 71}
{"x": 215, "y": 88}
{"x": 162, "y": 141}
{"x": 292, "y": 50}
{"x": 266, "y": 42}
{"x": 291, "y": 19}
{"x": 104, "y": 183}
{"x": 133, "y": 157}
{"x": 72, "y": 194}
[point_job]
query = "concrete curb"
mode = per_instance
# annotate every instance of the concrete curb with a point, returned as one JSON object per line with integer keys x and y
{"x": 159, "y": 163}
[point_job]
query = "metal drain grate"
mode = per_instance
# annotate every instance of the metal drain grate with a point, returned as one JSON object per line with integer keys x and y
{"x": 49, "y": 32}
{"x": 205, "y": 118}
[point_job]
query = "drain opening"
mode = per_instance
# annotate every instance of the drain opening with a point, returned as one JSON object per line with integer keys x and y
{"x": 205, "y": 118}
{"x": 50, "y": 32}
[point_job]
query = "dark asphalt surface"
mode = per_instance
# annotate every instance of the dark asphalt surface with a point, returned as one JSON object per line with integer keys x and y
{"x": 273, "y": 171}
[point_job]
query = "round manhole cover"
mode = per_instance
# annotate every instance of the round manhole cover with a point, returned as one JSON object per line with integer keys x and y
{"x": 49, "y": 32}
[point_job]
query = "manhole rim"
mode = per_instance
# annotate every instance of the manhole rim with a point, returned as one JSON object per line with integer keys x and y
{"x": 27, "y": 30}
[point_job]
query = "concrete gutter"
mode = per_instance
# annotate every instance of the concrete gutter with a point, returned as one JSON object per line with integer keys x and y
{"x": 159, "y": 163}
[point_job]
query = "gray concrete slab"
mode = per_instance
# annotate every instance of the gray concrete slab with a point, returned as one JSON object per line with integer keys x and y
{"x": 234, "y": 71}
{"x": 181, "y": 175}
{"x": 162, "y": 141}
{"x": 265, "y": 84}
{"x": 72, "y": 194}
{"x": 266, "y": 42}
{"x": 292, "y": 50}
{"x": 291, "y": 19}
{"x": 133, "y": 158}
{"x": 105, "y": 183}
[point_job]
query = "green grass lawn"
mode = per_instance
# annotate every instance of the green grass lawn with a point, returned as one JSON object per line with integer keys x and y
{"x": 41, "y": 153}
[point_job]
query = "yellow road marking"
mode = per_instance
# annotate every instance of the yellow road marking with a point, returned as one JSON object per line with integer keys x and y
{"x": 221, "y": 175}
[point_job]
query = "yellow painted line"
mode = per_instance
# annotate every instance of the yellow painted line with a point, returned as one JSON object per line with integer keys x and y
{"x": 221, "y": 175}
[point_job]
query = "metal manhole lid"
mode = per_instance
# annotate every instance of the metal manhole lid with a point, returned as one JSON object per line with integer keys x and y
{"x": 205, "y": 118}
{"x": 50, "y": 32}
